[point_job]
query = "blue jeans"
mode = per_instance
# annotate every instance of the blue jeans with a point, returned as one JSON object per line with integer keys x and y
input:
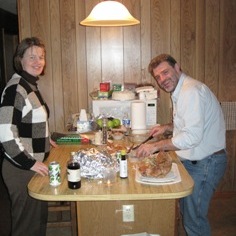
{"x": 206, "y": 174}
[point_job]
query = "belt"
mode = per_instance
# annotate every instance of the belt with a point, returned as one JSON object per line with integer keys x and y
{"x": 222, "y": 151}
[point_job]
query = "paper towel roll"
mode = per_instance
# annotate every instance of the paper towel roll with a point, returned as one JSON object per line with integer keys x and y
{"x": 138, "y": 115}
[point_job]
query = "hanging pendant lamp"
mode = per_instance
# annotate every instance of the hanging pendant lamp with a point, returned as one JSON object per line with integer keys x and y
{"x": 109, "y": 13}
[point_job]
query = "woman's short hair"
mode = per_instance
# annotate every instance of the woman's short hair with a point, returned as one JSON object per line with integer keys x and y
{"x": 20, "y": 51}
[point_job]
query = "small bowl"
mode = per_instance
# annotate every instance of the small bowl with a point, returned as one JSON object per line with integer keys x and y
{"x": 117, "y": 135}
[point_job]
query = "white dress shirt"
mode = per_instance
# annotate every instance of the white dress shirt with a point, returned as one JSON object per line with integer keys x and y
{"x": 199, "y": 126}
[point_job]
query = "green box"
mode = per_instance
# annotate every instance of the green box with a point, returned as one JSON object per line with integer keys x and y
{"x": 117, "y": 87}
{"x": 104, "y": 94}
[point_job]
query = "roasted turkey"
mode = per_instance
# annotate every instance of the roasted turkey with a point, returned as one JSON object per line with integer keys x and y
{"x": 156, "y": 165}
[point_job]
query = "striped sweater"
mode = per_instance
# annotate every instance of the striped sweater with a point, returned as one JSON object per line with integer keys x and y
{"x": 24, "y": 132}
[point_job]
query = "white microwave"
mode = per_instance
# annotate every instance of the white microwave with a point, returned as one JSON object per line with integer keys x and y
{"x": 118, "y": 109}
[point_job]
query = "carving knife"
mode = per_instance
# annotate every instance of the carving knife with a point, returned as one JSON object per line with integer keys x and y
{"x": 146, "y": 140}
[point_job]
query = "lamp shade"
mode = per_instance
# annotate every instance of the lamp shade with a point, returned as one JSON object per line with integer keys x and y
{"x": 109, "y": 13}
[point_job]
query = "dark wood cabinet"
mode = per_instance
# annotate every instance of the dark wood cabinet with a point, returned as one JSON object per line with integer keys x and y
{"x": 8, "y": 42}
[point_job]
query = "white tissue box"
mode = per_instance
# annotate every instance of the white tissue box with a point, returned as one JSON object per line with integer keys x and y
{"x": 83, "y": 126}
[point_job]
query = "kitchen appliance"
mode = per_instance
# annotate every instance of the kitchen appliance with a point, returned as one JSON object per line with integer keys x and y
{"x": 119, "y": 109}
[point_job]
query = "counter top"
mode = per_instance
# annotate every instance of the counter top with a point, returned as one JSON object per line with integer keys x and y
{"x": 95, "y": 190}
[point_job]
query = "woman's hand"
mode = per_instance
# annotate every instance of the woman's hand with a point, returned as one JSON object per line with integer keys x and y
{"x": 40, "y": 168}
{"x": 53, "y": 143}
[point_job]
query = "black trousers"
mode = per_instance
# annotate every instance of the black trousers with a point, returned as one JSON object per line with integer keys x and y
{"x": 5, "y": 213}
{"x": 29, "y": 216}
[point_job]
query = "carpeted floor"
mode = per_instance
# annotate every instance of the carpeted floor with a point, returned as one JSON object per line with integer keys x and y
{"x": 222, "y": 217}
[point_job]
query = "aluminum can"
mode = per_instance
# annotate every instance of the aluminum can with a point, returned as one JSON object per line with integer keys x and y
{"x": 54, "y": 173}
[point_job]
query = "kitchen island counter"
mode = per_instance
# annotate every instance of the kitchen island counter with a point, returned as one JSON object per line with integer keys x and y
{"x": 94, "y": 198}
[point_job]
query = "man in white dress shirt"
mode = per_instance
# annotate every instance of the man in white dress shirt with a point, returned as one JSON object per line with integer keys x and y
{"x": 198, "y": 138}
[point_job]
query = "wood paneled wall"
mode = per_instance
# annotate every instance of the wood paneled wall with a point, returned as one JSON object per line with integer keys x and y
{"x": 200, "y": 34}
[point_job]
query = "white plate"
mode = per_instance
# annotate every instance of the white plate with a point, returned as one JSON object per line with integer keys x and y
{"x": 117, "y": 136}
{"x": 172, "y": 177}
{"x": 169, "y": 177}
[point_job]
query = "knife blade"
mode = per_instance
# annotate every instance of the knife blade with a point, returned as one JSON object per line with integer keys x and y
{"x": 146, "y": 140}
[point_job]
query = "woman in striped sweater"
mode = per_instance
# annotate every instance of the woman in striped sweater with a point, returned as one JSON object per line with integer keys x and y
{"x": 24, "y": 136}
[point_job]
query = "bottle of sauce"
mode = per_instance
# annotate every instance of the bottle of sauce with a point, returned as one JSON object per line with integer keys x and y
{"x": 123, "y": 165}
{"x": 73, "y": 173}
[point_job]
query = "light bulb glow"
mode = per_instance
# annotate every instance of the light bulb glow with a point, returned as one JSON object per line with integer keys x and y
{"x": 109, "y": 13}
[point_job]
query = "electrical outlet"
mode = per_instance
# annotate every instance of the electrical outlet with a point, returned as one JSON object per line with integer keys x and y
{"x": 128, "y": 213}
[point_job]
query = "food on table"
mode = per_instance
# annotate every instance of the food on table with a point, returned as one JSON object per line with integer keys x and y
{"x": 99, "y": 122}
{"x": 93, "y": 162}
{"x": 116, "y": 122}
{"x": 113, "y": 147}
{"x": 111, "y": 122}
{"x": 156, "y": 165}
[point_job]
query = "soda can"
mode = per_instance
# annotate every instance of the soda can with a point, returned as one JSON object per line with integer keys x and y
{"x": 54, "y": 173}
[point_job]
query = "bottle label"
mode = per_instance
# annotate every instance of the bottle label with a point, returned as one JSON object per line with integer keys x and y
{"x": 73, "y": 175}
{"x": 123, "y": 169}
{"x": 126, "y": 122}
